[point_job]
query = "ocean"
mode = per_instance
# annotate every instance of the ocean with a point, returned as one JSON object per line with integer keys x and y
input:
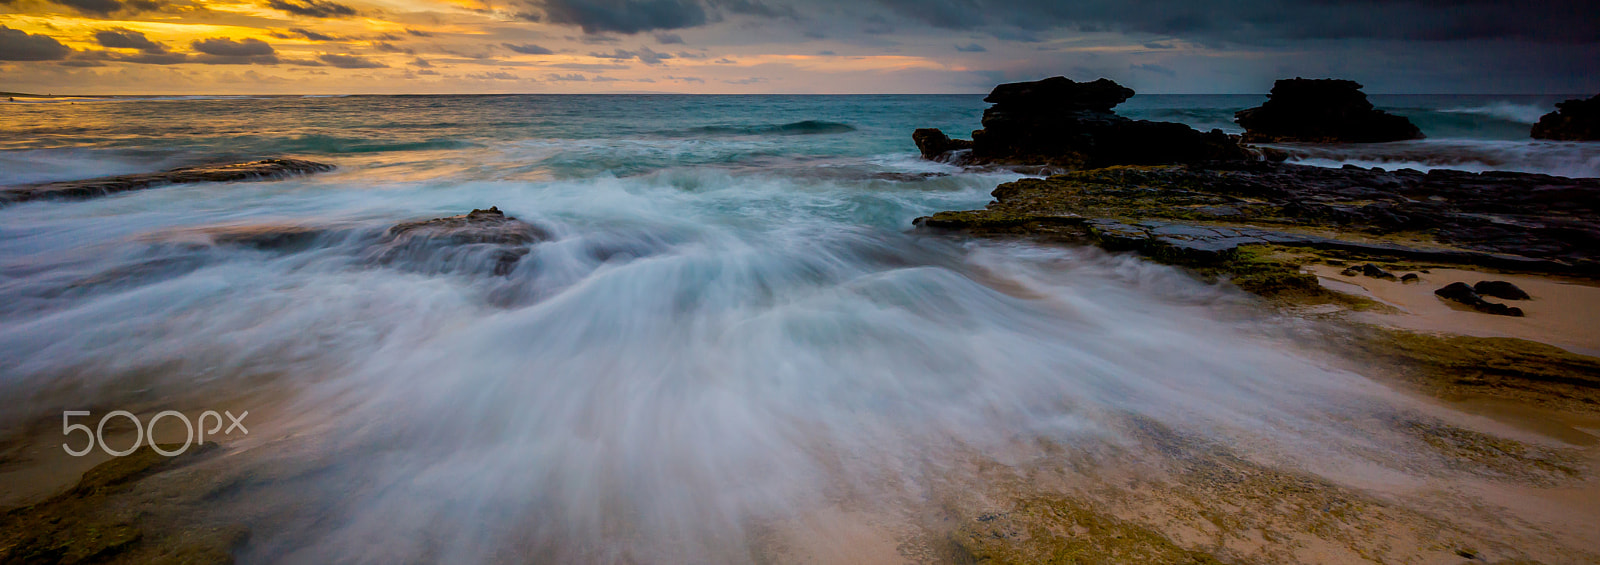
{"x": 731, "y": 324}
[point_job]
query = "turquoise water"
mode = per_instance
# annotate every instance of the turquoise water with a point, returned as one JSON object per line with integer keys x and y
{"x": 731, "y": 324}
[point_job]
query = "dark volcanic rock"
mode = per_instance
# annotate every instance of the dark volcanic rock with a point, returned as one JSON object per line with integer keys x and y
{"x": 933, "y": 143}
{"x": 1056, "y": 121}
{"x": 265, "y": 169}
{"x": 1503, "y": 220}
{"x": 1500, "y": 289}
{"x": 1573, "y": 120}
{"x": 466, "y": 242}
{"x": 1464, "y": 294}
{"x": 1322, "y": 111}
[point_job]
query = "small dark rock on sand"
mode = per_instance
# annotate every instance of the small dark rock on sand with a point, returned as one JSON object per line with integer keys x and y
{"x": 1376, "y": 272}
{"x": 1500, "y": 289}
{"x": 1461, "y": 292}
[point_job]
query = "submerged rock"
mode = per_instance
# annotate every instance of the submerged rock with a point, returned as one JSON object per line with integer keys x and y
{"x": 1500, "y": 289}
{"x": 1322, "y": 111}
{"x": 1573, "y": 120}
{"x": 1464, "y": 294}
{"x": 462, "y": 242}
{"x": 1057, "y": 121}
{"x": 266, "y": 169}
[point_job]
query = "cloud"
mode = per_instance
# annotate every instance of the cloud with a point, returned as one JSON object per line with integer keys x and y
{"x": 571, "y": 77}
{"x": 751, "y": 80}
{"x": 876, "y": 24}
{"x": 1157, "y": 45}
{"x": 528, "y": 49}
{"x": 391, "y": 48}
{"x": 1265, "y": 21}
{"x": 668, "y": 38}
{"x": 118, "y": 38}
{"x": 685, "y": 79}
{"x": 418, "y": 32}
{"x": 18, "y": 45}
{"x": 1152, "y": 68}
{"x": 144, "y": 58}
{"x": 350, "y": 61}
{"x": 307, "y": 34}
{"x": 105, "y": 8}
{"x": 224, "y": 51}
{"x": 644, "y": 55}
{"x": 224, "y": 47}
{"x": 497, "y": 75}
{"x": 312, "y": 8}
{"x": 971, "y": 48}
{"x": 624, "y": 16}
{"x": 754, "y": 8}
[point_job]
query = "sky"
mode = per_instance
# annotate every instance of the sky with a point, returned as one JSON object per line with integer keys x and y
{"x": 790, "y": 46}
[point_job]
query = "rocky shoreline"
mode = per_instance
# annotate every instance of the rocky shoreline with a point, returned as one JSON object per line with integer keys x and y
{"x": 265, "y": 169}
{"x": 1270, "y": 228}
{"x": 1202, "y": 211}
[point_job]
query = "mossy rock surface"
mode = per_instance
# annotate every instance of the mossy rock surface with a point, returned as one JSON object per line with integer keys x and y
{"x": 110, "y": 516}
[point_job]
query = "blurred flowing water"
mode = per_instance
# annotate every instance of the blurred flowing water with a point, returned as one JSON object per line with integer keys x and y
{"x": 731, "y": 321}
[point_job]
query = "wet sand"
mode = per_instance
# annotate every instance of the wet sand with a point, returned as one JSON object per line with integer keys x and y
{"x": 1563, "y": 313}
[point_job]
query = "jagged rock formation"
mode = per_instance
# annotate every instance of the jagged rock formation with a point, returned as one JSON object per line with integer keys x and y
{"x": 1321, "y": 111}
{"x": 266, "y": 169}
{"x": 1573, "y": 120}
{"x": 933, "y": 143}
{"x": 1057, "y": 121}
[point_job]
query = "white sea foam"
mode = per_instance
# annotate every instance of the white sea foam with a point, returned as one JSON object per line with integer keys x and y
{"x": 1509, "y": 111}
{"x": 695, "y": 352}
{"x": 1567, "y": 159}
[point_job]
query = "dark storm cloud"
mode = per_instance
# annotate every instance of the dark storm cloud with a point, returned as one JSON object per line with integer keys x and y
{"x": 224, "y": 47}
{"x": 970, "y": 48}
{"x": 312, "y": 8}
{"x": 527, "y": 49}
{"x": 118, "y": 38}
{"x": 754, "y": 8}
{"x": 350, "y": 61}
{"x": 224, "y": 51}
{"x": 668, "y": 38}
{"x": 103, "y": 8}
{"x": 1247, "y": 21}
{"x": 18, "y": 45}
{"x": 624, "y": 16}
